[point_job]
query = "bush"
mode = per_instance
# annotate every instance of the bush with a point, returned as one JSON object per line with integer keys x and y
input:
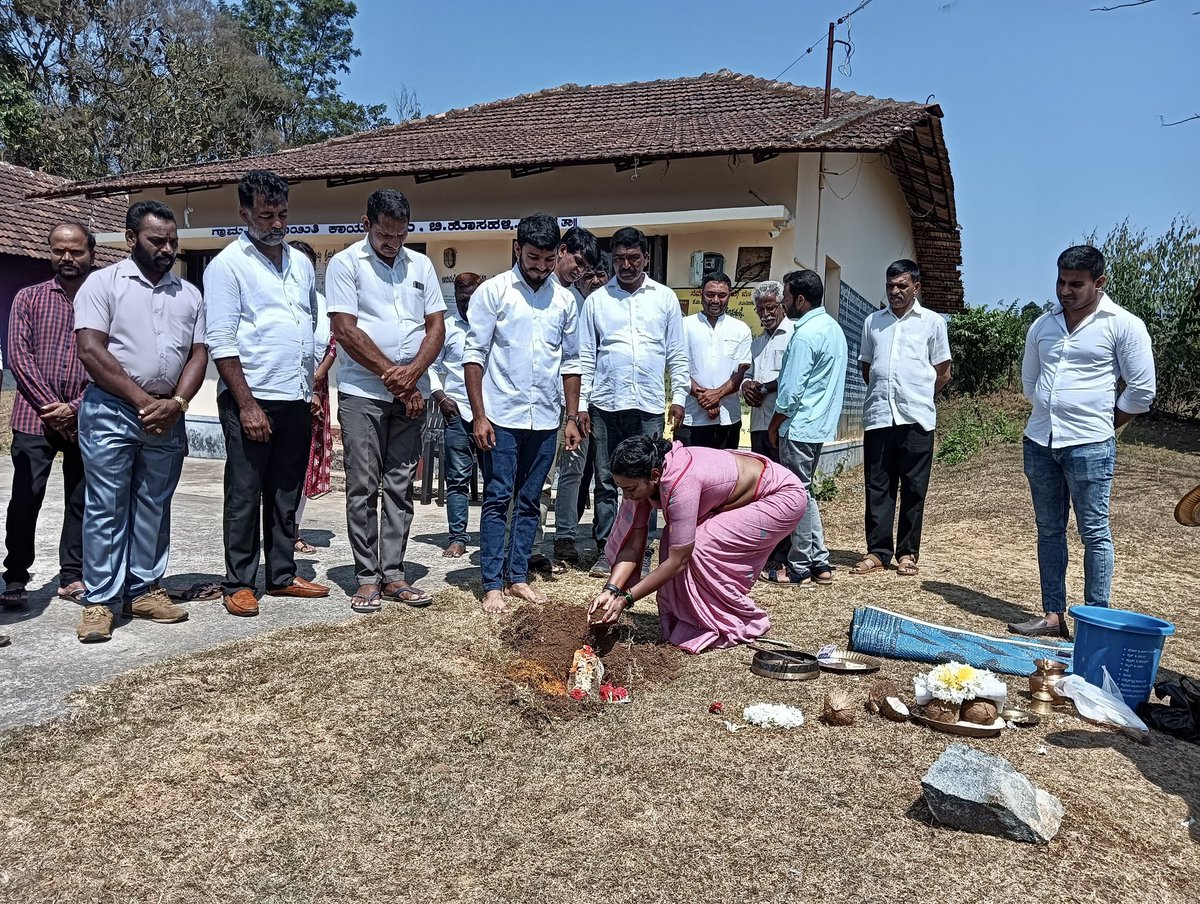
{"x": 987, "y": 345}
{"x": 1158, "y": 279}
{"x": 970, "y": 428}
{"x": 824, "y": 487}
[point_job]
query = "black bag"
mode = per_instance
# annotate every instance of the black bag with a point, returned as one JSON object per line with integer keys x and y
{"x": 1181, "y": 714}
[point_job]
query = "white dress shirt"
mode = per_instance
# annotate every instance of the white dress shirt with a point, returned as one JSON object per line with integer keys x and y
{"x": 447, "y": 372}
{"x": 525, "y": 341}
{"x": 1071, "y": 377}
{"x": 628, "y": 341}
{"x": 265, "y": 317}
{"x": 390, "y": 303}
{"x": 766, "y": 360}
{"x": 715, "y": 351}
{"x": 322, "y": 332}
{"x": 903, "y": 354}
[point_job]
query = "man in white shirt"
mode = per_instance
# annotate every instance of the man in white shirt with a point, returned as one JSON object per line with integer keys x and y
{"x": 387, "y": 311}
{"x": 522, "y": 342}
{"x": 1074, "y": 356}
{"x": 577, "y": 252}
{"x": 261, "y": 303}
{"x": 761, "y": 385}
{"x": 630, "y": 340}
{"x": 718, "y": 348}
{"x": 450, "y": 395}
{"x": 905, "y": 359}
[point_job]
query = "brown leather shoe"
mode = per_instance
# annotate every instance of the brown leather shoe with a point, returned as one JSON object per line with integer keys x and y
{"x": 301, "y": 587}
{"x": 242, "y": 603}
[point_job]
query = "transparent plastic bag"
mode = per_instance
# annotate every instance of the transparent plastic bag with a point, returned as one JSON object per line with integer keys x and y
{"x": 1104, "y": 705}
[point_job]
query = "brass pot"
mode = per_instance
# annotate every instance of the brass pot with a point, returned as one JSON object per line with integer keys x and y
{"x": 1045, "y": 680}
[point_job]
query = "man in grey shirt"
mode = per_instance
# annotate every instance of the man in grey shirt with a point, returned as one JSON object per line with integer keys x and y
{"x": 139, "y": 331}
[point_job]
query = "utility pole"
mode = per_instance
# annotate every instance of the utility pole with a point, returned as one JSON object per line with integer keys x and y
{"x": 828, "y": 70}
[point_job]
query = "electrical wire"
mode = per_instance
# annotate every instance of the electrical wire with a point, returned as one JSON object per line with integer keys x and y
{"x": 817, "y": 43}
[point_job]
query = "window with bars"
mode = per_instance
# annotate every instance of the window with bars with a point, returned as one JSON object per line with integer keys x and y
{"x": 852, "y": 312}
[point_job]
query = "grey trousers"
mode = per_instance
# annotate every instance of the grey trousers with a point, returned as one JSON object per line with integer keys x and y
{"x": 381, "y": 447}
{"x": 808, "y": 539}
{"x": 570, "y": 467}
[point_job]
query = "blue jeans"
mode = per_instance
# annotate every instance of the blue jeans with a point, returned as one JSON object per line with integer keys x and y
{"x": 460, "y": 456}
{"x": 517, "y": 465}
{"x": 131, "y": 477}
{"x": 1059, "y": 479}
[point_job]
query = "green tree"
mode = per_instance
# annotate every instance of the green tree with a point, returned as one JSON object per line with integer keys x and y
{"x": 1158, "y": 278}
{"x": 309, "y": 43}
{"x": 120, "y": 85}
{"x": 987, "y": 345}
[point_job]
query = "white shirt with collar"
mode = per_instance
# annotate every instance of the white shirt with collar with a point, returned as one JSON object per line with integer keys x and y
{"x": 715, "y": 351}
{"x": 1071, "y": 377}
{"x": 525, "y": 341}
{"x": 766, "y": 360}
{"x": 265, "y": 317}
{"x": 390, "y": 303}
{"x": 447, "y": 373}
{"x": 903, "y": 353}
{"x": 628, "y": 342}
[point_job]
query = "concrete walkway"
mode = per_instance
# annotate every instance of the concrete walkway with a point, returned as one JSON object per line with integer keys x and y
{"x": 46, "y": 662}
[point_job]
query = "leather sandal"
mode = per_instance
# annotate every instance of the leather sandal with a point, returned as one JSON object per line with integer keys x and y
{"x": 868, "y": 563}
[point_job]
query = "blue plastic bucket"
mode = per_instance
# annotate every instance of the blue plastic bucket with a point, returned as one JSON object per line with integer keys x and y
{"x": 1128, "y": 644}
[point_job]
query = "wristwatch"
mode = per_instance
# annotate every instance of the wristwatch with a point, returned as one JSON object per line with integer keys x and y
{"x": 574, "y": 418}
{"x": 183, "y": 403}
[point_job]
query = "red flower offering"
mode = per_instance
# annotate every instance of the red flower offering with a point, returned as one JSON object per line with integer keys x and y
{"x": 716, "y": 707}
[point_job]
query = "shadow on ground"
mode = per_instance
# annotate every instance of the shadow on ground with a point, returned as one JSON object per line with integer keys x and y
{"x": 977, "y": 603}
{"x": 1159, "y": 762}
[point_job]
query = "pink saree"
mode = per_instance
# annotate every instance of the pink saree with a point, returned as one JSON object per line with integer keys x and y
{"x": 708, "y": 606}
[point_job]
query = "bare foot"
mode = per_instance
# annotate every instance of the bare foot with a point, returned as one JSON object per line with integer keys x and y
{"x": 454, "y": 551}
{"x": 493, "y": 602}
{"x": 524, "y": 592}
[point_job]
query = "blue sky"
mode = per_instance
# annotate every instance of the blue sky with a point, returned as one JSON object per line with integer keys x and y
{"x": 1051, "y": 111}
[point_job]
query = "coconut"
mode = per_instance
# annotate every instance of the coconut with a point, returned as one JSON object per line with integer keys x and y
{"x": 839, "y": 708}
{"x": 880, "y": 691}
{"x": 893, "y": 708}
{"x": 941, "y": 711}
{"x": 981, "y": 711}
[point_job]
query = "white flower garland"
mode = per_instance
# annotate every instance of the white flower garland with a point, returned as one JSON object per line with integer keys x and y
{"x": 957, "y": 682}
{"x": 773, "y": 715}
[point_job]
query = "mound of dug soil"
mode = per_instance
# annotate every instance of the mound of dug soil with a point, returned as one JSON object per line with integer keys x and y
{"x": 544, "y": 639}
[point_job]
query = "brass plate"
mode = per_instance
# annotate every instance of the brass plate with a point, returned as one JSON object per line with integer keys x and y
{"x": 1020, "y": 718}
{"x": 963, "y": 729}
{"x": 851, "y": 663}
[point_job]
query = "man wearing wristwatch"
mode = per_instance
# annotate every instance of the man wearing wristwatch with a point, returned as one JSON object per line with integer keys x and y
{"x": 139, "y": 331}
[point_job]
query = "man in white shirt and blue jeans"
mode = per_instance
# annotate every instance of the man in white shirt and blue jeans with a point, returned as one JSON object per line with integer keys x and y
{"x": 905, "y": 360}
{"x": 386, "y": 307}
{"x": 1074, "y": 355}
{"x": 261, "y": 303}
{"x": 522, "y": 342}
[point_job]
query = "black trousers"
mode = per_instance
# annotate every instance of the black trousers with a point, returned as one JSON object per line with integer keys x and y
{"x": 720, "y": 436}
{"x": 33, "y": 458}
{"x": 760, "y": 444}
{"x": 263, "y": 479}
{"x": 896, "y": 457}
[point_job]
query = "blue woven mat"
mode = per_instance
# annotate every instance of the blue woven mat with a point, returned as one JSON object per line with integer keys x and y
{"x": 883, "y": 633}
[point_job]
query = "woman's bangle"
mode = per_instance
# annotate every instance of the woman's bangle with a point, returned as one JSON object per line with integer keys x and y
{"x": 613, "y": 589}
{"x": 628, "y": 598}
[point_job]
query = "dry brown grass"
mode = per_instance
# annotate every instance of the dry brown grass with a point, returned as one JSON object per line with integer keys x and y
{"x": 382, "y": 759}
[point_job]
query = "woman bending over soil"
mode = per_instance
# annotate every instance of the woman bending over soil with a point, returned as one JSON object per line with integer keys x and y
{"x": 724, "y": 512}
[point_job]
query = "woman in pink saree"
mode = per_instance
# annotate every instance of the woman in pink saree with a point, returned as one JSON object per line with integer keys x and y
{"x": 724, "y": 512}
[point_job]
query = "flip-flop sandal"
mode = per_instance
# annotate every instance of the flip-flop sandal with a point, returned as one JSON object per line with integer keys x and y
{"x": 17, "y": 598}
{"x": 872, "y": 563}
{"x": 368, "y": 604}
{"x": 823, "y": 575}
{"x": 4, "y": 640}
{"x": 78, "y": 595}
{"x": 201, "y": 590}
{"x": 410, "y": 596}
{"x": 542, "y": 565}
{"x": 304, "y": 548}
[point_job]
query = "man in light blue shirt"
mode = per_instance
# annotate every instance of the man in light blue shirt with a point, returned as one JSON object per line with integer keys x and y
{"x": 812, "y": 382}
